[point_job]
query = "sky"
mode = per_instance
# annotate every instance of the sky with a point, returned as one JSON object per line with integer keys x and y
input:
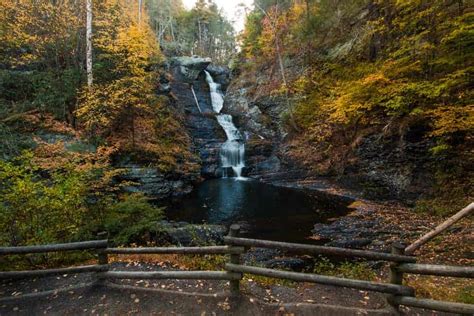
{"x": 231, "y": 8}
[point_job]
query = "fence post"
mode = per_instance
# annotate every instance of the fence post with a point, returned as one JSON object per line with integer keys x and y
{"x": 103, "y": 257}
{"x": 234, "y": 258}
{"x": 396, "y": 277}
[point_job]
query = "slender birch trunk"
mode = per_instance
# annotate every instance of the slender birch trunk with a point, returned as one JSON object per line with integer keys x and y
{"x": 140, "y": 11}
{"x": 89, "y": 42}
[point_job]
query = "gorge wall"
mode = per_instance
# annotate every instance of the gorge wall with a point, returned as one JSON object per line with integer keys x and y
{"x": 376, "y": 97}
{"x": 183, "y": 84}
{"x": 380, "y": 166}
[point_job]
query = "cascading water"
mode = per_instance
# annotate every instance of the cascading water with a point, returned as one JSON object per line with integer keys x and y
{"x": 217, "y": 99}
{"x": 233, "y": 150}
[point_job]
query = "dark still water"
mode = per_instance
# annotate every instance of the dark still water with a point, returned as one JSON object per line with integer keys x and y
{"x": 265, "y": 211}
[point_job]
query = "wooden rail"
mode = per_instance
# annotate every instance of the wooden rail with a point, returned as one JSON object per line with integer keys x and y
{"x": 191, "y": 275}
{"x": 459, "y": 308}
{"x": 322, "y": 250}
{"x": 73, "y": 246}
{"x": 178, "y": 250}
{"x": 49, "y": 272}
{"x": 439, "y": 270}
{"x": 322, "y": 279}
{"x": 398, "y": 294}
{"x": 468, "y": 210}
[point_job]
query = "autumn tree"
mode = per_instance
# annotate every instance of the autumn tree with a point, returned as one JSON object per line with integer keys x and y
{"x": 203, "y": 30}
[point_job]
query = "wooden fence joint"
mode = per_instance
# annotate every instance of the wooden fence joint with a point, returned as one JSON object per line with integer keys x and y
{"x": 234, "y": 231}
{"x": 103, "y": 257}
{"x": 396, "y": 276}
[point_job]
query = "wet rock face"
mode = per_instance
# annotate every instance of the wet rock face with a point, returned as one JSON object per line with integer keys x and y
{"x": 258, "y": 121}
{"x": 390, "y": 168}
{"x": 261, "y": 158}
{"x": 363, "y": 229}
{"x": 221, "y": 75}
{"x": 250, "y": 116}
{"x": 206, "y": 133}
{"x": 153, "y": 183}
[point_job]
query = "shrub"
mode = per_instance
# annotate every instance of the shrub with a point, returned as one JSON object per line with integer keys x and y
{"x": 345, "y": 269}
{"x": 130, "y": 219}
{"x": 38, "y": 208}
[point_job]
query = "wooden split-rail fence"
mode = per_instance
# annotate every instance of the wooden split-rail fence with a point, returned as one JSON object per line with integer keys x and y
{"x": 397, "y": 294}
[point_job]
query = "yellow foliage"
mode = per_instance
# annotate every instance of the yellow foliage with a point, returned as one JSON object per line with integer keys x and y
{"x": 38, "y": 31}
{"x": 451, "y": 119}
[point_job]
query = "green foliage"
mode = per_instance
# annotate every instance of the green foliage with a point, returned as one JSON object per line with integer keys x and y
{"x": 64, "y": 191}
{"x": 48, "y": 91}
{"x": 267, "y": 281}
{"x": 38, "y": 210}
{"x": 64, "y": 204}
{"x": 13, "y": 142}
{"x": 253, "y": 28}
{"x": 131, "y": 218}
{"x": 346, "y": 269}
{"x": 440, "y": 149}
{"x": 466, "y": 295}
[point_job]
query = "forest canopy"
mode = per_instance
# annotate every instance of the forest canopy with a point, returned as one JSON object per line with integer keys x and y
{"x": 204, "y": 30}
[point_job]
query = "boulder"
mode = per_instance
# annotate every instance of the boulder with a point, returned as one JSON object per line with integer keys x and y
{"x": 220, "y": 74}
{"x": 189, "y": 68}
{"x": 187, "y": 235}
{"x": 259, "y": 255}
{"x": 291, "y": 264}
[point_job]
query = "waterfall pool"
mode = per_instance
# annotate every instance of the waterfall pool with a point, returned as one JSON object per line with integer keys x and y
{"x": 265, "y": 211}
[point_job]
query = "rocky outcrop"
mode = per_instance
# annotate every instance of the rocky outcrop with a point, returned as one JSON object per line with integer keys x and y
{"x": 221, "y": 75}
{"x": 189, "y": 68}
{"x": 391, "y": 168}
{"x": 154, "y": 184}
{"x": 257, "y": 119}
{"x": 206, "y": 133}
{"x": 183, "y": 81}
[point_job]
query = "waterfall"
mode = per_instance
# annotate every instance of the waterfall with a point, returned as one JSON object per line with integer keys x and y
{"x": 217, "y": 100}
{"x": 233, "y": 150}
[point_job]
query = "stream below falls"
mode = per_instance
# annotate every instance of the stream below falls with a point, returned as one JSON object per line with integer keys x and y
{"x": 264, "y": 211}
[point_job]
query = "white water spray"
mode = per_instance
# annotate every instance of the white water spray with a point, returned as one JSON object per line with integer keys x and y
{"x": 233, "y": 150}
{"x": 217, "y": 100}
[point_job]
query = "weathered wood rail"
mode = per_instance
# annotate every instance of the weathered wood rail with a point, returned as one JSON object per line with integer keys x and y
{"x": 397, "y": 293}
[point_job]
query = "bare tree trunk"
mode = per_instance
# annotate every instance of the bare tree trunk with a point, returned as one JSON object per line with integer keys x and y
{"x": 281, "y": 67}
{"x": 200, "y": 37}
{"x": 89, "y": 43}
{"x": 195, "y": 99}
{"x": 140, "y": 11}
{"x": 283, "y": 77}
{"x": 440, "y": 228}
{"x": 172, "y": 30}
